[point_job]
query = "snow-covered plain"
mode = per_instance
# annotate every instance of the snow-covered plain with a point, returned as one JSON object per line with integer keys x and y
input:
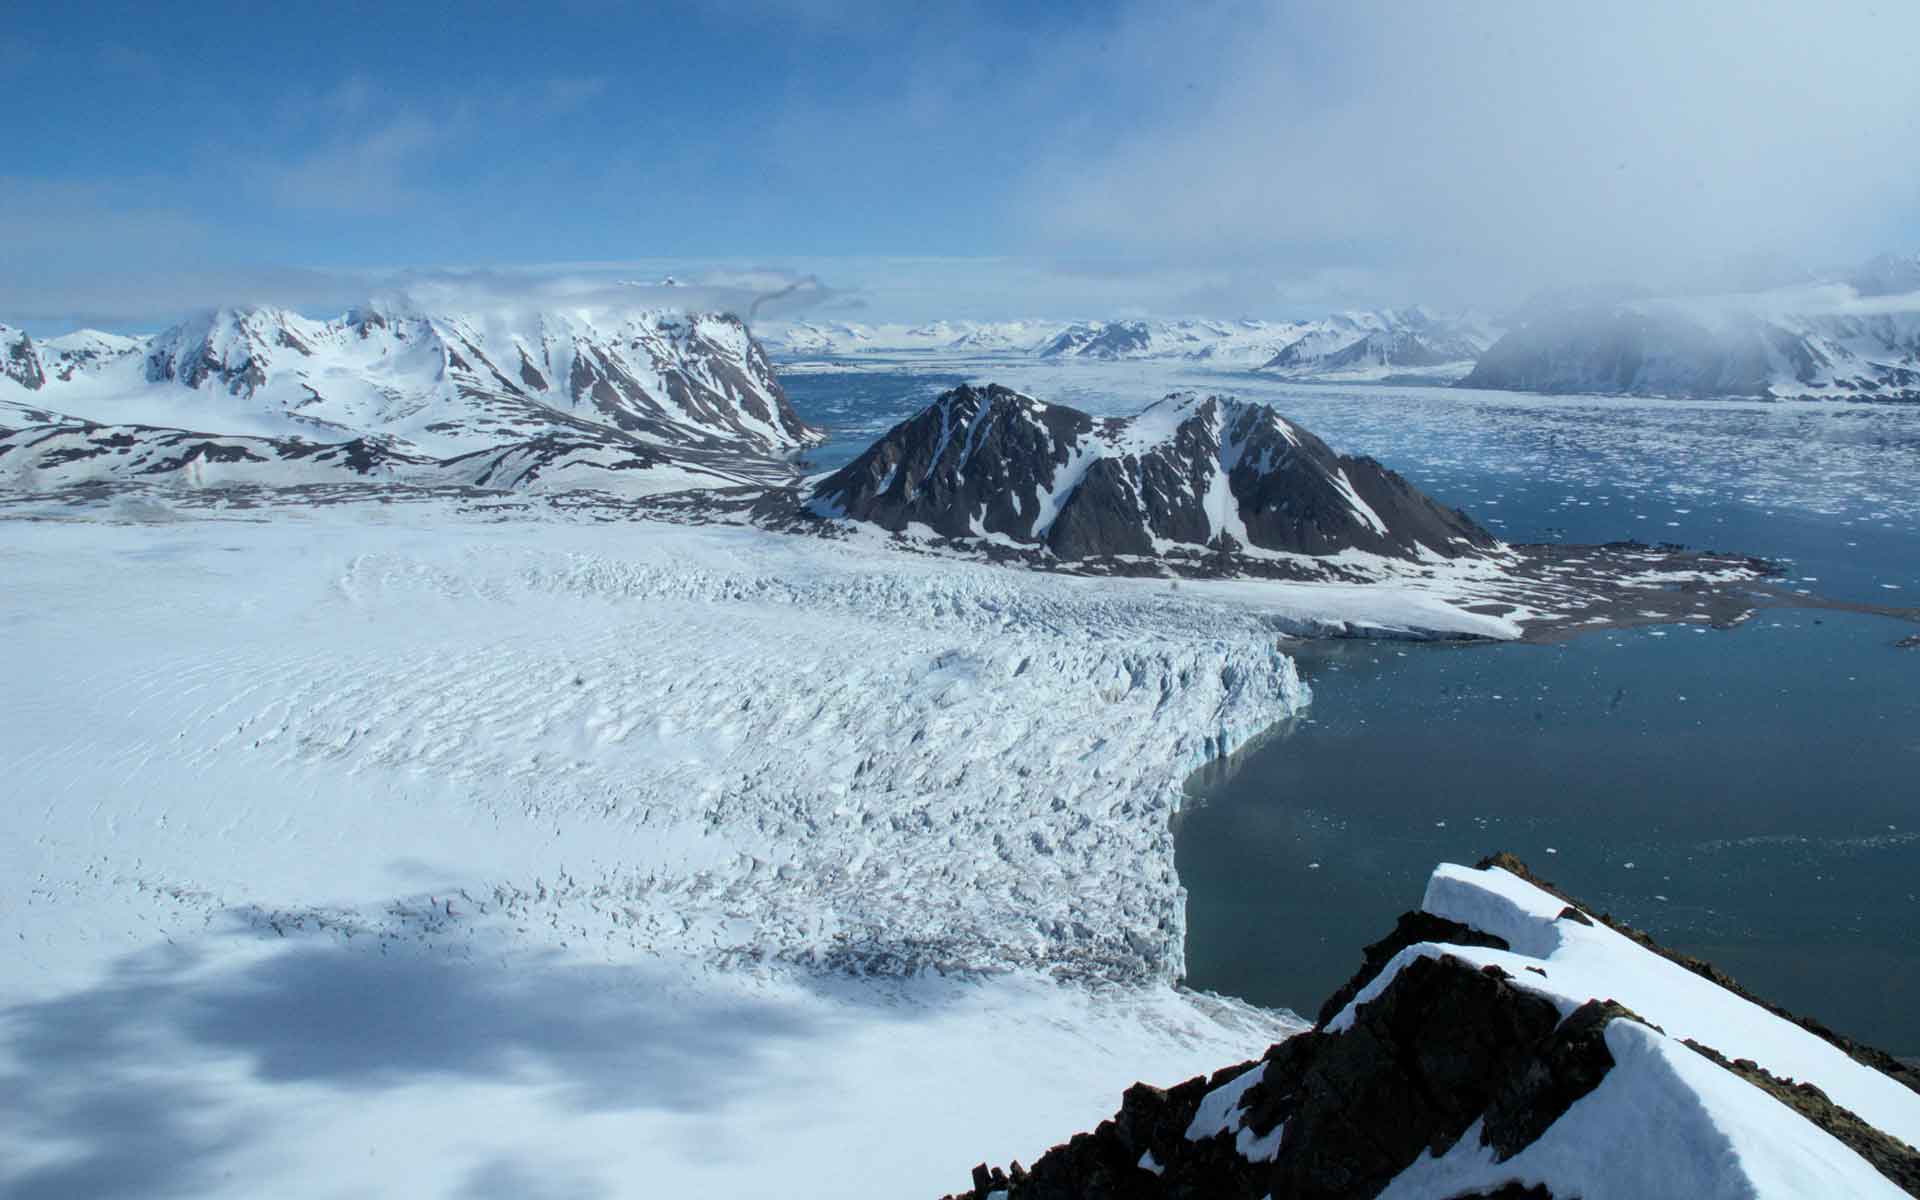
{"x": 390, "y": 849}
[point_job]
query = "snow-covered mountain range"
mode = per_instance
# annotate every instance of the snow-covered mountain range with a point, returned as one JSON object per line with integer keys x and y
{"x": 1839, "y": 334}
{"x": 502, "y": 399}
{"x": 1354, "y": 345}
{"x": 1350, "y": 345}
{"x": 840, "y": 338}
{"x": 1502, "y": 1042}
{"x": 1858, "y": 339}
{"x": 1190, "y": 472}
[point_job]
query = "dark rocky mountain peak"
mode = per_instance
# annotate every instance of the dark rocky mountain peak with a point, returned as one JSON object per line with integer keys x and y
{"x": 1100, "y": 339}
{"x": 20, "y": 360}
{"x": 1188, "y": 473}
{"x": 231, "y": 349}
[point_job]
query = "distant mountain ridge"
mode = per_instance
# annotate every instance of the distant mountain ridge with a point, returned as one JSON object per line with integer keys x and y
{"x": 678, "y": 395}
{"x": 1856, "y": 336}
{"x": 1191, "y": 473}
{"x": 1352, "y": 345}
{"x": 1658, "y": 348}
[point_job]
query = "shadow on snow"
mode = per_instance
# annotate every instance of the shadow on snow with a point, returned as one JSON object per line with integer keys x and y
{"x": 116, "y": 1077}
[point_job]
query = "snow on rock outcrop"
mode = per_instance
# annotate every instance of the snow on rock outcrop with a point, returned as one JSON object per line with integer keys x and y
{"x": 45, "y": 458}
{"x": 1199, "y": 472}
{"x": 1503, "y": 1042}
{"x": 48, "y": 457}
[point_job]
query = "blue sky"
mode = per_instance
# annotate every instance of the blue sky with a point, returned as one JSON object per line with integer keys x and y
{"x": 959, "y": 159}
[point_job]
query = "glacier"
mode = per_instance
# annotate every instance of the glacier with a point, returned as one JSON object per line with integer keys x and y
{"x": 531, "y": 849}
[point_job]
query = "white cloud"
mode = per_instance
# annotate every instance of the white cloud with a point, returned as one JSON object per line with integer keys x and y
{"x": 142, "y": 298}
{"x": 1509, "y": 146}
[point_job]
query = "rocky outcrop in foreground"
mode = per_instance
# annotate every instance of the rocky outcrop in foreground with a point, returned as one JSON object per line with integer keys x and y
{"x": 1503, "y": 1042}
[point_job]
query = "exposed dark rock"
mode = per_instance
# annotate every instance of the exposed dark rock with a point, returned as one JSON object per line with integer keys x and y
{"x": 1412, "y": 928}
{"x": 1571, "y": 1063}
{"x": 1111, "y": 339}
{"x": 1202, "y": 473}
{"x": 20, "y": 360}
{"x": 1419, "y": 1064}
{"x": 1443, "y": 1044}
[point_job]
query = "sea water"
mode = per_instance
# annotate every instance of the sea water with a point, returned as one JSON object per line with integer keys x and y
{"x": 1751, "y": 796}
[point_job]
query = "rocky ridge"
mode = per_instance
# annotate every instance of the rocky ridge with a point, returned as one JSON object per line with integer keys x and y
{"x": 1464, "y": 1060}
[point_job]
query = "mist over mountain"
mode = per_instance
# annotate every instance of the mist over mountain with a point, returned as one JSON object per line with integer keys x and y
{"x": 1854, "y": 336}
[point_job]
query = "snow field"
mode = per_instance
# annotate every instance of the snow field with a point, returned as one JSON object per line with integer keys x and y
{"x": 448, "y": 857}
{"x": 854, "y": 771}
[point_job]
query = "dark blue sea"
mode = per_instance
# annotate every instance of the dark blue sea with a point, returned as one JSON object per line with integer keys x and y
{"x": 1750, "y": 796}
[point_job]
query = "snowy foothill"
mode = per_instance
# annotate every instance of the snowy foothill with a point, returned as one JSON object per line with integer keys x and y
{"x": 401, "y": 848}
